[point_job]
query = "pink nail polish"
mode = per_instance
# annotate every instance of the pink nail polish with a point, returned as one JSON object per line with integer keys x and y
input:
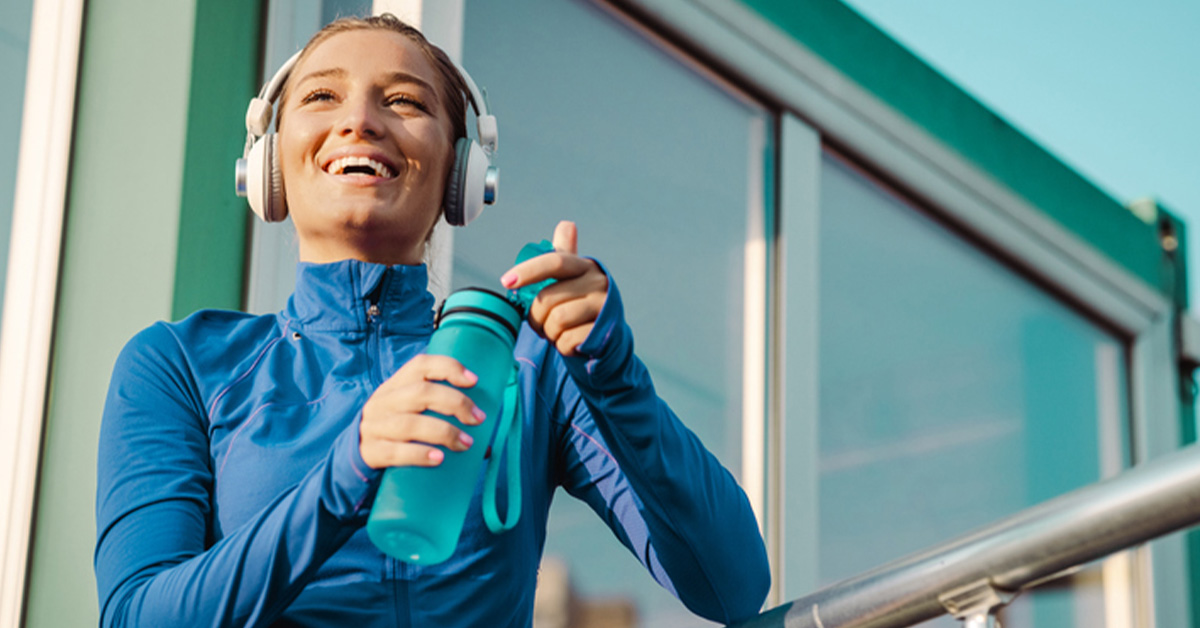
{"x": 470, "y": 376}
{"x": 436, "y": 455}
{"x": 508, "y": 280}
{"x": 478, "y": 414}
{"x": 465, "y": 439}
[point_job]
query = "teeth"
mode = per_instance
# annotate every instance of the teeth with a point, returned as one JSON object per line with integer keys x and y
{"x": 338, "y": 166}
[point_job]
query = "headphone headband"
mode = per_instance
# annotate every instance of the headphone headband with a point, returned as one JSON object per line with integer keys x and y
{"x": 262, "y": 109}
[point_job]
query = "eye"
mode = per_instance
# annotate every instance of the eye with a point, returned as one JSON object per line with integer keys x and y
{"x": 317, "y": 95}
{"x": 406, "y": 100}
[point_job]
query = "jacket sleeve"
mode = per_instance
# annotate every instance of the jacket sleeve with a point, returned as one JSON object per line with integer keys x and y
{"x": 686, "y": 518}
{"x": 156, "y": 563}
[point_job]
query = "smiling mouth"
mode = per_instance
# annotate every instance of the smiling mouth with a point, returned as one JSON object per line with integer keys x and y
{"x": 360, "y": 166}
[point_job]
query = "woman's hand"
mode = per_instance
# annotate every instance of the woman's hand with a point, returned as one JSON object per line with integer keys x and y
{"x": 563, "y": 312}
{"x": 395, "y": 433}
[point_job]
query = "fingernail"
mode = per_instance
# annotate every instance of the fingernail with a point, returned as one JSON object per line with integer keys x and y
{"x": 478, "y": 414}
{"x": 470, "y": 376}
{"x": 465, "y": 439}
{"x": 508, "y": 280}
{"x": 436, "y": 455}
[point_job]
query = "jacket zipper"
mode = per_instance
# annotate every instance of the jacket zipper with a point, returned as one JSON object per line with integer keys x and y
{"x": 375, "y": 355}
{"x": 374, "y": 312}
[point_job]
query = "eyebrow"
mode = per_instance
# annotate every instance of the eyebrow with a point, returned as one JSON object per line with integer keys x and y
{"x": 394, "y": 77}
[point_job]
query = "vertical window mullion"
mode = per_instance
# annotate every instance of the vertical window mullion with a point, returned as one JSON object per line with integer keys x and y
{"x": 792, "y": 430}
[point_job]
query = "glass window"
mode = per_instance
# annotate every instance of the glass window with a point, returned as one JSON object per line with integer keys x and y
{"x": 953, "y": 392}
{"x": 15, "y": 19}
{"x": 659, "y": 166}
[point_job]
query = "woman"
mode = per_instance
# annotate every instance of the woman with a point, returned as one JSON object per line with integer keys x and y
{"x": 239, "y": 454}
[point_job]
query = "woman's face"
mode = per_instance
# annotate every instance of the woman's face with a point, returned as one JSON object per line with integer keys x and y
{"x": 365, "y": 148}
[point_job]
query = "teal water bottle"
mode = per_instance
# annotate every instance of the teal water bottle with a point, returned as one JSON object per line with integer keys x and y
{"x": 419, "y": 512}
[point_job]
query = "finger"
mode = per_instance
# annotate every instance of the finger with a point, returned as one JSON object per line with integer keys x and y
{"x": 569, "y": 342}
{"x": 566, "y": 237}
{"x": 571, "y": 314}
{"x": 559, "y": 266}
{"x": 433, "y": 368}
{"x": 593, "y": 287}
{"x": 382, "y": 454}
{"x": 439, "y": 398}
{"x": 424, "y": 428}
{"x": 394, "y": 401}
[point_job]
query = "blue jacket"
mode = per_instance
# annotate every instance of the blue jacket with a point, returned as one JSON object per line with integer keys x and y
{"x": 231, "y": 491}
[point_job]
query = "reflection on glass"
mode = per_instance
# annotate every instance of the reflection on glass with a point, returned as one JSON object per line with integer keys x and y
{"x": 656, "y": 165}
{"x": 953, "y": 392}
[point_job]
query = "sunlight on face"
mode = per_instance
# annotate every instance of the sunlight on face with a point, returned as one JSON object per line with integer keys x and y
{"x": 365, "y": 147}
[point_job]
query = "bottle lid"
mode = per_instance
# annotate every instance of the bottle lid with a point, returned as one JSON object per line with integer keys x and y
{"x": 525, "y": 295}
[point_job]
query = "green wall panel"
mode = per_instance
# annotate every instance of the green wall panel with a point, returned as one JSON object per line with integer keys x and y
{"x": 883, "y": 67}
{"x": 212, "y": 225}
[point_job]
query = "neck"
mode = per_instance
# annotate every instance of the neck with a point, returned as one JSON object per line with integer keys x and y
{"x": 372, "y": 252}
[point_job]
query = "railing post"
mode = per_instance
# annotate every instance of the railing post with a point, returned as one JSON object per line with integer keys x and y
{"x": 982, "y": 620}
{"x": 975, "y": 604}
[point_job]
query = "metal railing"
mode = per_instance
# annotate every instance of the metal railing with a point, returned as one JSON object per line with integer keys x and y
{"x": 975, "y": 574}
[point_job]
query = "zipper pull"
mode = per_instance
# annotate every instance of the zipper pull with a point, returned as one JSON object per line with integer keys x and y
{"x": 373, "y": 310}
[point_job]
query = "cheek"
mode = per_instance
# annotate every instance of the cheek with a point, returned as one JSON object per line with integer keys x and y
{"x": 434, "y": 166}
{"x": 445, "y": 166}
{"x": 287, "y": 154}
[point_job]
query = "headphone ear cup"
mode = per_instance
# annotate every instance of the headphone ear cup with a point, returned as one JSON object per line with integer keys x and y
{"x": 254, "y": 177}
{"x": 276, "y": 209}
{"x": 264, "y": 181}
{"x": 474, "y": 183}
{"x": 456, "y": 184}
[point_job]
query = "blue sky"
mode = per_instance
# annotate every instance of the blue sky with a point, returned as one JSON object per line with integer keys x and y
{"x": 1112, "y": 87}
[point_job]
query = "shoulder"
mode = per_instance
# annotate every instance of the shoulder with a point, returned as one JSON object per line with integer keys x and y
{"x": 197, "y": 330}
{"x": 194, "y": 349}
{"x": 204, "y": 324}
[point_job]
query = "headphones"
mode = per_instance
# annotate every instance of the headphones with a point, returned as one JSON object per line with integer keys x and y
{"x": 472, "y": 182}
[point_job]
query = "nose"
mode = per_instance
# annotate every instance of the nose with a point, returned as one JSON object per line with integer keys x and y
{"x": 362, "y": 118}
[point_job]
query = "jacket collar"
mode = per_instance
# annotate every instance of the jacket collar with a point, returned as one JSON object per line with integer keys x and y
{"x": 338, "y": 297}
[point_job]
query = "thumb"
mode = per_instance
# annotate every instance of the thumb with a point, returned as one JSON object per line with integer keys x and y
{"x": 566, "y": 237}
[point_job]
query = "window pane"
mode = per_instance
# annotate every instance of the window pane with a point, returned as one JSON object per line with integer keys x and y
{"x": 657, "y": 165}
{"x": 953, "y": 391}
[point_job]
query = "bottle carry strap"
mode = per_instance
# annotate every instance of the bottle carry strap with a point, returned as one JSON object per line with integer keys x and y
{"x": 507, "y": 444}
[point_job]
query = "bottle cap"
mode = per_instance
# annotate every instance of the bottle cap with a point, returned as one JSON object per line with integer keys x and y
{"x": 523, "y": 297}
